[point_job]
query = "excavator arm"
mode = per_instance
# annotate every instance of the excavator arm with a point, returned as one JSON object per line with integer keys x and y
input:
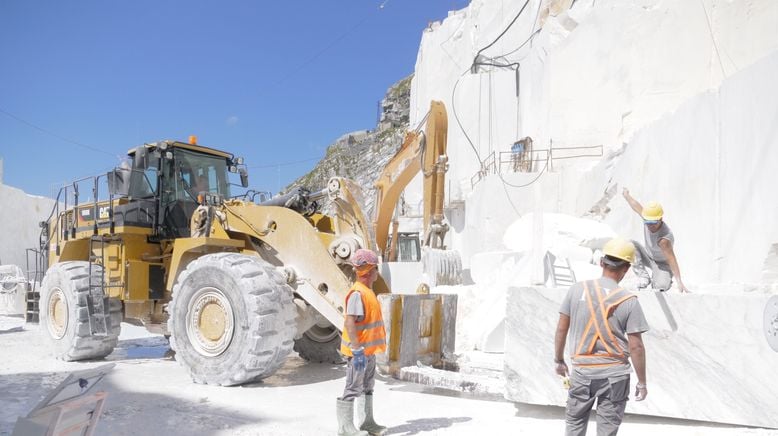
{"x": 424, "y": 152}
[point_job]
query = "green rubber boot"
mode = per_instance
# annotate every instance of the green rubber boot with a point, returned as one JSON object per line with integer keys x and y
{"x": 365, "y": 416}
{"x": 346, "y": 426}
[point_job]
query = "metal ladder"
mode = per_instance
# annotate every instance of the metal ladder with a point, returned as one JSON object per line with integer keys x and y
{"x": 561, "y": 274}
{"x": 97, "y": 298}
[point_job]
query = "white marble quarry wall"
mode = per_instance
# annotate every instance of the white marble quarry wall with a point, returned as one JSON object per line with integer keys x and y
{"x": 710, "y": 162}
{"x": 19, "y": 217}
{"x": 716, "y": 366}
{"x": 603, "y": 92}
{"x": 722, "y": 208}
{"x": 712, "y": 165}
{"x": 593, "y": 75}
{"x": 691, "y": 126}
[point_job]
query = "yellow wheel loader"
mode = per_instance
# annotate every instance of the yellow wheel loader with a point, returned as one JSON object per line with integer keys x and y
{"x": 235, "y": 284}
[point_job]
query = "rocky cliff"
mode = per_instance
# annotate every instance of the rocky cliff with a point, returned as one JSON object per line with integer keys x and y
{"x": 361, "y": 155}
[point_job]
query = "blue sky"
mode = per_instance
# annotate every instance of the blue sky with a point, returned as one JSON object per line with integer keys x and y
{"x": 81, "y": 82}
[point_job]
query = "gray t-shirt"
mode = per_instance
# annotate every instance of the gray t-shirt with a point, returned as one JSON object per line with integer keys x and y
{"x": 355, "y": 307}
{"x": 652, "y": 242}
{"x": 626, "y": 318}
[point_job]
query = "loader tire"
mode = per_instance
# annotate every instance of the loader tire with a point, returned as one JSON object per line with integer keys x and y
{"x": 232, "y": 319}
{"x": 320, "y": 345}
{"x": 64, "y": 315}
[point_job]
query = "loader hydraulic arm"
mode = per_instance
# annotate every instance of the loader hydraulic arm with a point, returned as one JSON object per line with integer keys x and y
{"x": 313, "y": 249}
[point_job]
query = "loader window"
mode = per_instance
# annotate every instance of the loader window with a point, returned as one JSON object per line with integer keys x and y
{"x": 197, "y": 172}
{"x": 185, "y": 176}
{"x": 143, "y": 183}
{"x": 143, "y": 174}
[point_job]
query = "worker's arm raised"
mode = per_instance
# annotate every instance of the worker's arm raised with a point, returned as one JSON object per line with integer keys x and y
{"x": 560, "y": 339}
{"x": 634, "y": 204}
{"x": 667, "y": 250}
{"x": 638, "y": 355}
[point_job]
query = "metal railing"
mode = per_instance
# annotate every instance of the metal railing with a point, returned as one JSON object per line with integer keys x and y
{"x": 531, "y": 160}
{"x": 61, "y": 226}
{"x": 565, "y": 153}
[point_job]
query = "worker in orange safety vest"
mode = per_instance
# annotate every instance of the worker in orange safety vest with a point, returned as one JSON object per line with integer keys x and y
{"x": 363, "y": 336}
{"x": 605, "y": 323}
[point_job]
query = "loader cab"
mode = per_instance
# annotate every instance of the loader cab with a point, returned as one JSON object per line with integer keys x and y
{"x": 191, "y": 173}
{"x": 165, "y": 179}
{"x": 186, "y": 174}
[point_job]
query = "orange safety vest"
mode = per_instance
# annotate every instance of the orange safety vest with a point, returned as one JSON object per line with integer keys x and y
{"x": 601, "y": 306}
{"x": 370, "y": 331}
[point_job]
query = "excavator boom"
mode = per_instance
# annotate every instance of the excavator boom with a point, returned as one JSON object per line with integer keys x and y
{"x": 425, "y": 152}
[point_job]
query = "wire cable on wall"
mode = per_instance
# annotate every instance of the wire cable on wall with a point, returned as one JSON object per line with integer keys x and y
{"x": 542, "y": 170}
{"x": 508, "y": 197}
{"x": 504, "y": 31}
{"x": 506, "y": 63}
{"x": 459, "y": 123}
{"x": 476, "y": 62}
{"x": 529, "y": 39}
{"x": 713, "y": 39}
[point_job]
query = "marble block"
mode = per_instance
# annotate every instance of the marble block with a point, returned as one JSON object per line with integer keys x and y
{"x": 707, "y": 355}
{"x": 402, "y": 277}
{"x": 497, "y": 266}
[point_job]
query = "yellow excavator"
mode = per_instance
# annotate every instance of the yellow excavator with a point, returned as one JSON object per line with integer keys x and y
{"x": 236, "y": 285}
{"x": 423, "y": 152}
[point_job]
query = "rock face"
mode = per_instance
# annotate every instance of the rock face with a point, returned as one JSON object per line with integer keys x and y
{"x": 17, "y": 235}
{"x": 360, "y": 155}
{"x": 395, "y": 107}
{"x": 707, "y": 357}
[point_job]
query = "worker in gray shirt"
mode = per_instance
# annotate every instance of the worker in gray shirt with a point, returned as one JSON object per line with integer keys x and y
{"x": 605, "y": 324}
{"x": 658, "y": 254}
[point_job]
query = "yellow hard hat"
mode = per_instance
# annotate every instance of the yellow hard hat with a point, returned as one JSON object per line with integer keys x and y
{"x": 619, "y": 248}
{"x": 652, "y": 211}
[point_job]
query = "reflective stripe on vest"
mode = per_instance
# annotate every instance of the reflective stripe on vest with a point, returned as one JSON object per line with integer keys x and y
{"x": 601, "y": 306}
{"x": 370, "y": 331}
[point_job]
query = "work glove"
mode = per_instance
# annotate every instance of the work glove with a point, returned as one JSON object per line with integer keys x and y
{"x": 640, "y": 392}
{"x": 359, "y": 361}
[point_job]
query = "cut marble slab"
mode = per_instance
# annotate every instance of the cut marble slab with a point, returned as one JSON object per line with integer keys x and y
{"x": 707, "y": 355}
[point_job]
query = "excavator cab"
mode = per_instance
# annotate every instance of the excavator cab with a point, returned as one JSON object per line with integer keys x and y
{"x": 408, "y": 247}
